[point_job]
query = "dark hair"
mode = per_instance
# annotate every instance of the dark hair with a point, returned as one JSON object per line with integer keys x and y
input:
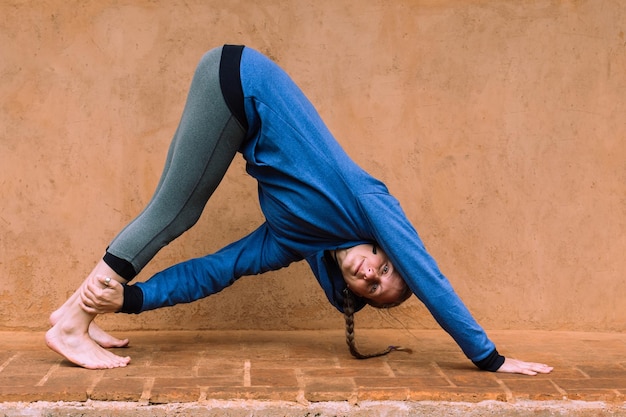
{"x": 348, "y": 314}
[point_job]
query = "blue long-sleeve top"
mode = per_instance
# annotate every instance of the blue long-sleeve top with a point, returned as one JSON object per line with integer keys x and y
{"x": 314, "y": 198}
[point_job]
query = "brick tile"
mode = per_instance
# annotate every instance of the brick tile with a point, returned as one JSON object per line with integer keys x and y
{"x": 38, "y": 362}
{"x": 409, "y": 369}
{"x": 607, "y": 395}
{"x": 202, "y": 341}
{"x": 329, "y": 389}
{"x": 273, "y": 377}
{"x": 80, "y": 379}
{"x": 73, "y": 371}
{"x": 346, "y": 372}
{"x": 186, "y": 359}
{"x": 253, "y": 393}
{"x": 166, "y": 390}
{"x": 165, "y": 396}
{"x": 591, "y": 383}
{"x": 382, "y": 394}
{"x": 306, "y": 352}
{"x": 133, "y": 370}
{"x": 118, "y": 389}
{"x": 307, "y": 363}
{"x": 402, "y": 382}
{"x": 222, "y": 368}
{"x": 29, "y": 380}
{"x": 45, "y": 393}
{"x": 150, "y": 371}
{"x": 533, "y": 389}
{"x": 456, "y": 394}
{"x": 62, "y": 389}
{"x": 218, "y": 352}
{"x": 606, "y": 346}
{"x": 473, "y": 379}
{"x": 138, "y": 356}
{"x": 462, "y": 366}
{"x": 221, "y": 381}
{"x": 178, "y": 340}
{"x": 603, "y": 370}
{"x": 6, "y": 355}
{"x": 260, "y": 350}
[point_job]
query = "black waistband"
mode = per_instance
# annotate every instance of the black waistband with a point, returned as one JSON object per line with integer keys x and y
{"x": 230, "y": 82}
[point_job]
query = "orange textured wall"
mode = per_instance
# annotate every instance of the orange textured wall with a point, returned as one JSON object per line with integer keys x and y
{"x": 499, "y": 126}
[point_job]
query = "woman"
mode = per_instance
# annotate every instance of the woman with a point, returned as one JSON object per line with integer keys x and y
{"x": 318, "y": 204}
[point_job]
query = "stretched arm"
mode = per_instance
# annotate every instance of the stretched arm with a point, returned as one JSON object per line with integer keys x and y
{"x": 191, "y": 280}
{"x": 392, "y": 230}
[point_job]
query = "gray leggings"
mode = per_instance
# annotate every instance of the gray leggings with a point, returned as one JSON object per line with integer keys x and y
{"x": 201, "y": 151}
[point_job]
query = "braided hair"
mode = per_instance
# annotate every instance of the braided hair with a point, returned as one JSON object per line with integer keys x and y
{"x": 348, "y": 313}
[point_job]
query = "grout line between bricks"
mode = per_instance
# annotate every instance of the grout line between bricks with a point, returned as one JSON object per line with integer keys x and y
{"x": 196, "y": 366}
{"x": 559, "y": 389}
{"x": 147, "y": 390}
{"x": 301, "y": 398}
{"x": 246, "y": 373}
{"x": 204, "y": 392}
{"x": 586, "y": 375}
{"x": 8, "y": 361}
{"x": 43, "y": 380}
{"x": 507, "y": 392}
{"x": 443, "y": 374}
{"x": 353, "y": 398}
{"x": 388, "y": 369}
{"x": 96, "y": 381}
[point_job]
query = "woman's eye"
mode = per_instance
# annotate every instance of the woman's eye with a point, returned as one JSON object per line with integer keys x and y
{"x": 385, "y": 269}
{"x": 373, "y": 288}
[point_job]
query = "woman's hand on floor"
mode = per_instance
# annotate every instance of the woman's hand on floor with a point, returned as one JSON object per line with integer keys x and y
{"x": 515, "y": 366}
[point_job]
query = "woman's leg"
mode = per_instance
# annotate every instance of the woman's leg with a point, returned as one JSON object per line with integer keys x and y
{"x": 69, "y": 336}
{"x": 96, "y": 333}
{"x": 203, "y": 147}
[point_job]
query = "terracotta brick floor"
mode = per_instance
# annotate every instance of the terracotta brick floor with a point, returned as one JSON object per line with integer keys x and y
{"x": 314, "y": 366}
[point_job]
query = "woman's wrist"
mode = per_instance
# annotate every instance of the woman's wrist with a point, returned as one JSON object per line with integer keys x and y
{"x": 133, "y": 300}
{"x": 491, "y": 363}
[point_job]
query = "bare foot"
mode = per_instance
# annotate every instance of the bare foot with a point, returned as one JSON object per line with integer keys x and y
{"x": 104, "y": 339}
{"x": 79, "y": 348}
{"x": 95, "y": 332}
{"x": 74, "y": 335}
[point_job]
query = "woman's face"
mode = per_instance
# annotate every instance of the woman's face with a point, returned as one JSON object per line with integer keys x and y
{"x": 371, "y": 275}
